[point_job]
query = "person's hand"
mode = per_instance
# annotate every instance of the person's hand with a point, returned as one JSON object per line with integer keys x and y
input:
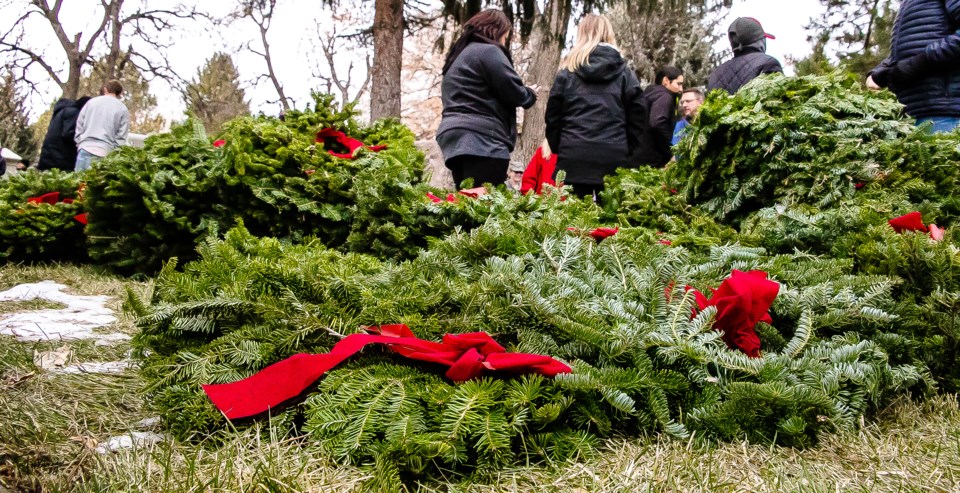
{"x": 535, "y": 88}
{"x": 873, "y": 86}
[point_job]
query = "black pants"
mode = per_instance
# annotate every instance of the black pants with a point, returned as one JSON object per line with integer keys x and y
{"x": 481, "y": 169}
{"x": 586, "y": 190}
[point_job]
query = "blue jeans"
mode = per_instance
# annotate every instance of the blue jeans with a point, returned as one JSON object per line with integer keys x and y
{"x": 941, "y": 124}
{"x": 85, "y": 160}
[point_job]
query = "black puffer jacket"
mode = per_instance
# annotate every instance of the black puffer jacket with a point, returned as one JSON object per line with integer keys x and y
{"x": 59, "y": 151}
{"x": 481, "y": 92}
{"x": 924, "y": 64}
{"x": 748, "y": 63}
{"x": 660, "y": 106}
{"x": 594, "y": 117}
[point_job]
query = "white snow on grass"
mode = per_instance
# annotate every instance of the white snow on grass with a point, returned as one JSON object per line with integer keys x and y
{"x": 135, "y": 439}
{"x": 77, "y": 321}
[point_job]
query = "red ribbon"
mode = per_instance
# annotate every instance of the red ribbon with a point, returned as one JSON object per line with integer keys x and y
{"x": 598, "y": 234}
{"x": 349, "y": 142}
{"x": 466, "y": 355}
{"x": 48, "y": 198}
{"x": 219, "y": 143}
{"x": 742, "y": 301}
{"x": 914, "y": 222}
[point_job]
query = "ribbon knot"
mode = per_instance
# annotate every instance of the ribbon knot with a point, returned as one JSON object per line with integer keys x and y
{"x": 467, "y": 356}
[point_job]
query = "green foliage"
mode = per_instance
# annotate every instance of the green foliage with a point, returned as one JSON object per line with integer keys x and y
{"x": 148, "y": 205}
{"x": 33, "y": 232}
{"x": 615, "y": 311}
{"x": 806, "y": 140}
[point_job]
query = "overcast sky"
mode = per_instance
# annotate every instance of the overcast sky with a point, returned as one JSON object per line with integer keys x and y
{"x": 295, "y": 30}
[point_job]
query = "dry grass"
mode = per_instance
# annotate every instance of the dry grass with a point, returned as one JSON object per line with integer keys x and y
{"x": 50, "y": 425}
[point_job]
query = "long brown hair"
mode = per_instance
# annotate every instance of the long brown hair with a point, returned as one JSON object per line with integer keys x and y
{"x": 487, "y": 26}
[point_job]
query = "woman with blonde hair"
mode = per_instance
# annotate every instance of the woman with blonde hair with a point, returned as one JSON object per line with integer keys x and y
{"x": 594, "y": 117}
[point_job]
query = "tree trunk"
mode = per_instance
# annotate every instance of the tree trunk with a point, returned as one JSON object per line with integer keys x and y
{"x": 71, "y": 86}
{"x": 546, "y": 42}
{"x": 387, "y": 59}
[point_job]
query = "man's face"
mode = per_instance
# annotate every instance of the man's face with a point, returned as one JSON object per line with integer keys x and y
{"x": 675, "y": 86}
{"x": 690, "y": 103}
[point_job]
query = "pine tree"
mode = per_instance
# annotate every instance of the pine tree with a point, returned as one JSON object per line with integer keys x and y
{"x": 862, "y": 28}
{"x": 136, "y": 96}
{"x": 15, "y": 131}
{"x": 215, "y": 96}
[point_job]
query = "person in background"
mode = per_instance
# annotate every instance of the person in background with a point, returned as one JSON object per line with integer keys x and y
{"x": 750, "y": 59}
{"x": 514, "y": 177}
{"x": 480, "y": 93}
{"x": 59, "y": 150}
{"x": 102, "y": 125}
{"x": 660, "y": 106}
{"x": 593, "y": 117}
{"x": 539, "y": 170}
{"x": 690, "y": 102}
{"x": 923, "y": 68}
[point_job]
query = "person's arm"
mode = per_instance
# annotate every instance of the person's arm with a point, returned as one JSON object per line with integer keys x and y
{"x": 633, "y": 100}
{"x": 942, "y": 54}
{"x": 81, "y": 125}
{"x": 660, "y": 122}
{"x": 68, "y": 123}
{"x": 553, "y": 117}
{"x": 504, "y": 81}
{"x": 772, "y": 66}
{"x": 123, "y": 129}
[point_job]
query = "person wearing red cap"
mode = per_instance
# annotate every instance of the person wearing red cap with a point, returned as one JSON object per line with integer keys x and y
{"x": 750, "y": 60}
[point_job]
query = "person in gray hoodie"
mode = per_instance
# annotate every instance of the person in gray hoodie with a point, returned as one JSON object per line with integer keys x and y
{"x": 480, "y": 93}
{"x": 594, "y": 115}
{"x": 103, "y": 125}
{"x": 750, "y": 59}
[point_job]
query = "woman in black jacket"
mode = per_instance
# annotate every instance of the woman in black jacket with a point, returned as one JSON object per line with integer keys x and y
{"x": 481, "y": 92}
{"x": 660, "y": 105}
{"x": 593, "y": 115}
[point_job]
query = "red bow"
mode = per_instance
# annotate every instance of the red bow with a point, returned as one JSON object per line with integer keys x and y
{"x": 48, "y": 198}
{"x": 914, "y": 222}
{"x": 599, "y": 234}
{"x": 742, "y": 300}
{"x": 349, "y": 142}
{"x": 436, "y": 200}
{"x": 466, "y": 355}
{"x": 219, "y": 143}
{"x": 53, "y": 198}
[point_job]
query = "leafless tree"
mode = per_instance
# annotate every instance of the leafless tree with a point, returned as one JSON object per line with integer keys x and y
{"x": 260, "y": 12}
{"x": 128, "y": 31}
{"x": 331, "y": 40}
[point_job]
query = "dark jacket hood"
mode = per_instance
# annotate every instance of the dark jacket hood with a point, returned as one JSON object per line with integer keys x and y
{"x": 758, "y": 46}
{"x": 63, "y": 103}
{"x": 81, "y": 102}
{"x": 604, "y": 65}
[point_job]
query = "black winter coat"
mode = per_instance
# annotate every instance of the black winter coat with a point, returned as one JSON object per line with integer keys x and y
{"x": 480, "y": 93}
{"x": 748, "y": 63}
{"x": 660, "y": 106}
{"x": 59, "y": 151}
{"x": 594, "y": 117}
{"x": 924, "y": 64}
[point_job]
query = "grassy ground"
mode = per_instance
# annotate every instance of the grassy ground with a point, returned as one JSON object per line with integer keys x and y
{"x": 51, "y": 424}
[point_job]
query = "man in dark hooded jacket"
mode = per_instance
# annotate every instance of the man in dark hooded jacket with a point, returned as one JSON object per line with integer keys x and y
{"x": 750, "y": 60}
{"x": 59, "y": 151}
{"x": 923, "y": 68}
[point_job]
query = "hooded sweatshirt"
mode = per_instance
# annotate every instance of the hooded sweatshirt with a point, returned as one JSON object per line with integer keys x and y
{"x": 594, "y": 117}
{"x": 749, "y": 62}
{"x": 59, "y": 151}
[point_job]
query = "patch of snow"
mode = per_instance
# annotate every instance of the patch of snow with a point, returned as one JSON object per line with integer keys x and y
{"x": 134, "y": 439}
{"x": 104, "y": 367}
{"x": 77, "y": 321}
{"x": 148, "y": 422}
